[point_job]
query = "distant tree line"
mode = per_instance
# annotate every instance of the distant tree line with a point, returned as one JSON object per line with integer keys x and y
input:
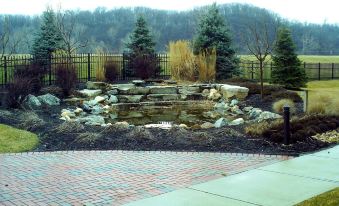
{"x": 109, "y": 30}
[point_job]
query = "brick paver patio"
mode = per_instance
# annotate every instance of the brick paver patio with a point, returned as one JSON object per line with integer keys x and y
{"x": 111, "y": 177}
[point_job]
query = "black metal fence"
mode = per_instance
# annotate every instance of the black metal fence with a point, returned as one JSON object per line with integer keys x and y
{"x": 88, "y": 65}
{"x": 314, "y": 71}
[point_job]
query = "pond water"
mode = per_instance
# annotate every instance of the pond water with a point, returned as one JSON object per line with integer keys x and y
{"x": 189, "y": 114}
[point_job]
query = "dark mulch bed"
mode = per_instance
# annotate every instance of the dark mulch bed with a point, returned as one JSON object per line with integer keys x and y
{"x": 56, "y": 135}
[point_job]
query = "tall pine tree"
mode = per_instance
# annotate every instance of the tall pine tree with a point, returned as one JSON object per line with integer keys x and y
{"x": 48, "y": 39}
{"x": 142, "y": 56}
{"x": 213, "y": 33}
{"x": 141, "y": 40}
{"x": 287, "y": 69}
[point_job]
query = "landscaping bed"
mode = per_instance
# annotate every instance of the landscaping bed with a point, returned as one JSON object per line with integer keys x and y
{"x": 56, "y": 134}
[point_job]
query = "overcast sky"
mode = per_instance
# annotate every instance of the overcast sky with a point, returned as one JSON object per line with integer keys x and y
{"x": 314, "y": 11}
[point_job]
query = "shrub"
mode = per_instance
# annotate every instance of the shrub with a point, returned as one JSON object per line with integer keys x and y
{"x": 145, "y": 66}
{"x": 18, "y": 91}
{"x": 258, "y": 129}
{"x": 66, "y": 78}
{"x": 303, "y": 128}
{"x": 278, "y": 106}
{"x": 182, "y": 61}
{"x": 317, "y": 108}
{"x": 323, "y": 104}
{"x": 285, "y": 94}
{"x": 30, "y": 121}
{"x": 111, "y": 71}
{"x": 100, "y": 74}
{"x": 206, "y": 63}
{"x": 35, "y": 72}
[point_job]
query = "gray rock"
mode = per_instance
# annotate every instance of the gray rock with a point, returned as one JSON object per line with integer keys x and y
{"x": 235, "y": 109}
{"x": 163, "y": 89}
{"x": 184, "y": 117}
{"x": 92, "y": 120}
{"x": 163, "y": 97}
{"x": 138, "y": 82}
{"x": 135, "y": 91}
{"x": 221, "y": 106}
{"x": 205, "y": 92}
{"x": 207, "y": 125}
{"x": 255, "y": 112}
{"x": 49, "y": 100}
{"x": 211, "y": 114}
{"x": 237, "y": 121}
{"x": 99, "y": 99}
{"x": 221, "y": 122}
{"x": 32, "y": 101}
{"x": 90, "y": 93}
{"x": 97, "y": 110}
{"x": 214, "y": 95}
{"x": 113, "y": 116}
{"x": 234, "y": 102}
{"x": 231, "y": 91}
{"x": 189, "y": 90}
{"x": 124, "y": 88}
{"x": 268, "y": 115}
{"x": 112, "y": 92}
{"x": 247, "y": 109}
{"x": 96, "y": 85}
{"x": 130, "y": 98}
{"x": 112, "y": 99}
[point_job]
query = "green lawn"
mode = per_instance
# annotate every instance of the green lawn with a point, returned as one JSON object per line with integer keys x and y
{"x": 324, "y": 93}
{"x": 15, "y": 140}
{"x": 330, "y": 198}
{"x": 304, "y": 58}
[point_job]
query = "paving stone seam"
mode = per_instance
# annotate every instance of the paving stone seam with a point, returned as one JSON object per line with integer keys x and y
{"x": 227, "y": 197}
{"x": 154, "y": 152}
{"x": 302, "y": 176}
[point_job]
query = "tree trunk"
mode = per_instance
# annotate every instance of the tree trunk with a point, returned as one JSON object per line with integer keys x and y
{"x": 261, "y": 79}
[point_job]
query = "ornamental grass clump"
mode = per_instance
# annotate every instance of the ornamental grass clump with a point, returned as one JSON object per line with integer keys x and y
{"x": 182, "y": 61}
{"x": 206, "y": 63}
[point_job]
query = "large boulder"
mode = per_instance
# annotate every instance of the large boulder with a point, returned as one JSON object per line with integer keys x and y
{"x": 221, "y": 122}
{"x": 135, "y": 91}
{"x": 92, "y": 120}
{"x": 49, "y": 100}
{"x": 214, "y": 95}
{"x": 32, "y": 101}
{"x": 189, "y": 90}
{"x": 96, "y": 85}
{"x": 231, "y": 92}
{"x": 254, "y": 113}
{"x": 90, "y": 93}
{"x": 163, "y": 89}
{"x": 130, "y": 98}
{"x": 237, "y": 121}
{"x": 268, "y": 115}
{"x": 124, "y": 88}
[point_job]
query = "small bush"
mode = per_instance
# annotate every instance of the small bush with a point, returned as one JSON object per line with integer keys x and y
{"x": 111, "y": 71}
{"x": 88, "y": 139}
{"x": 182, "y": 61}
{"x": 258, "y": 129}
{"x": 145, "y": 66}
{"x": 285, "y": 94}
{"x": 278, "y": 106}
{"x": 100, "y": 74}
{"x": 18, "y": 91}
{"x": 66, "y": 78}
{"x": 317, "y": 108}
{"x": 35, "y": 72}
{"x": 323, "y": 104}
{"x": 30, "y": 121}
{"x": 68, "y": 128}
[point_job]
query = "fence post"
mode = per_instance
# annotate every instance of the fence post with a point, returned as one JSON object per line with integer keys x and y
{"x": 332, "y": 70}
{"x": 5, "y": 68}
{"x": 287, "y": 132}
{"x": 88, "y": 67}
{"x": 252, "y": 70}
{"x": 319, "y": 68}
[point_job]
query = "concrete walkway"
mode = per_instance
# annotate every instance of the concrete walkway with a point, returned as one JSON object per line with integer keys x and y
{"x": 281, "y": 184}
{"x": 111, "y": 177}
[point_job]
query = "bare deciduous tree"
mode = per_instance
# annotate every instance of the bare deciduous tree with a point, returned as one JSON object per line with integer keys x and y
{"x": 259, "y": 42}
{"x": 8, "y": 43}
{"x": 71, "y": 32}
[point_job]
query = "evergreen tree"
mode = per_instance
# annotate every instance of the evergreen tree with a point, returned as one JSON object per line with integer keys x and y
{"x": 141, "y": 40}
{"x": 48, "y": 39}
{"x": 142, "y": 56}
{"x": 287, "y": 67}
{"x": 213, "y": 33}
